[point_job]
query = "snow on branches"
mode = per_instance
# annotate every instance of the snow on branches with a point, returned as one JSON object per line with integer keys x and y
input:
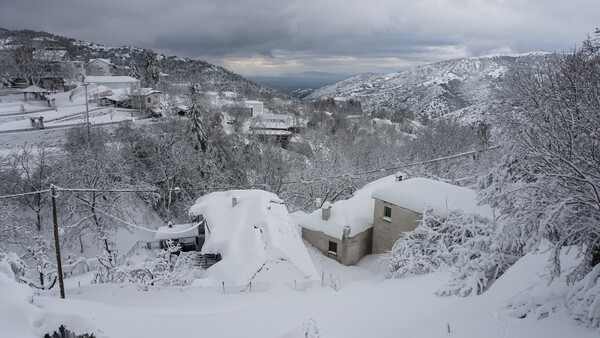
{"x": 167, "y": 267}
{"x": 583, "y": 302}
{"x": 456, "y": 240}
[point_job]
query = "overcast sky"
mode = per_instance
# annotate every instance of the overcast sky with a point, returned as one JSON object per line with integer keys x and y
{"x": 265, "y": 37}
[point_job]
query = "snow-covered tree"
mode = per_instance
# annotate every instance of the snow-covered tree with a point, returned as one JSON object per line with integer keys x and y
{"x": 92, "y": 164}
{"x": 464, "y": 243}
{"x": 548, "y": 184}
{"x": 151, "y": 70}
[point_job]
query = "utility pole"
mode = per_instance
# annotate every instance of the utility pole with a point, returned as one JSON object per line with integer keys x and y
{"x": 87, "y": 111}
{"x": 56, "y": 242}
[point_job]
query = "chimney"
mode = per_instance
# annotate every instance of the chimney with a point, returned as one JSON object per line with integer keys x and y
{"x": 326, "y": 211}
{"x": 233, "y": 201}
{"x": 399, "y": 176}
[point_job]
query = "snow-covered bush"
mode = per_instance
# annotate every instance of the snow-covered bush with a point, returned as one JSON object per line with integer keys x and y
{"x": 168, "y": 267}
{"x": 583, "y": 301}
{"x": 12, "y": 265}
{"x": 456, "y": 240}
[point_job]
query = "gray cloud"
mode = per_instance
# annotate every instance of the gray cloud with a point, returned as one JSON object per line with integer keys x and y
{"x": 332, "y": 35}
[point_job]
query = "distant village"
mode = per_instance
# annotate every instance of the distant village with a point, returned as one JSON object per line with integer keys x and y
{"x": 44, "y": 81}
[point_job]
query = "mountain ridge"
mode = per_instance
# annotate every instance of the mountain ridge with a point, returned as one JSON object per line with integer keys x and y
{"x": 460, "y": 87}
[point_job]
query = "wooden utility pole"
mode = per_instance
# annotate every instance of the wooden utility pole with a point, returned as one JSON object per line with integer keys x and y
{"x": 87, "y": 111}
{"x": 56, "y": 242}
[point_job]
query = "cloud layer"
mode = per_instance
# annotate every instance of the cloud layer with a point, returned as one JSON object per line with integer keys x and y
{"x": 351, "y": 36}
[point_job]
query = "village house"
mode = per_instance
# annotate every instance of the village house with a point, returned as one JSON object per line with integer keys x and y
{"x": 257, "y": 107}
{"x": 78, "y": 70}
{"x": 147, "y": 99}
{"x": 100, "y": 67}
{"x": 376, "y": 216}
{"x": 190, "y": 237}
{"x": 277, "y": 127}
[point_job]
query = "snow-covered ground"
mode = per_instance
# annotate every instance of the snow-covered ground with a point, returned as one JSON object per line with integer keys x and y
{"x": 15, "y": 112}
{"x": 366, "y": 305}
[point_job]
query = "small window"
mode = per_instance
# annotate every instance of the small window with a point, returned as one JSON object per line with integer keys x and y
{"x": 387, "y": 213}
{"x": 149, "y": 100}
{"x": 332, "y": 247}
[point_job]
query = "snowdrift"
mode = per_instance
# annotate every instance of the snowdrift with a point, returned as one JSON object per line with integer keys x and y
{"x": 19, "y": 318}
{"x": 252, "y": 236}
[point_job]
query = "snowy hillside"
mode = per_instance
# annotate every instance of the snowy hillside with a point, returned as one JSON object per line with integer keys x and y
{"x": 213, "y": 77}
{"x": 463, "y": 87}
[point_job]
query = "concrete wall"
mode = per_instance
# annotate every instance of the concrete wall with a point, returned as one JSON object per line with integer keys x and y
{"x": 356, "y": 246}
{"x": 387, "y": 232}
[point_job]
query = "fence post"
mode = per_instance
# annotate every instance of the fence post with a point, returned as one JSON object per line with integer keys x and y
{"x": 323, "y": 278}
{"x": 223, "y": 282}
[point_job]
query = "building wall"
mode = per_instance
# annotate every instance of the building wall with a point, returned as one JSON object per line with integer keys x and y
{"x": 97, "y": 68}
{"x": 357, "y": 246}
{"x": 387, "y": 232}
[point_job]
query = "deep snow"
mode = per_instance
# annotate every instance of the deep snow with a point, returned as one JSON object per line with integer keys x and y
{"x": 366, "y": 305}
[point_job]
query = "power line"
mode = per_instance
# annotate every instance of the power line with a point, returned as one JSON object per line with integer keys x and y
{"x": 150, "y": 230}
{"x": 26, "y": 194}
{"x": 249, "y": 186}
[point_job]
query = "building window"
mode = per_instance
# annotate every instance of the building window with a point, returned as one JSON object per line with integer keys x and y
{"x": 387, "y": 213}
{"x": 332, "y": 248}
{"x": 148, "y": 100}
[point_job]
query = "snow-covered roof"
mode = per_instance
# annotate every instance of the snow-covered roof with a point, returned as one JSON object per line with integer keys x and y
{"x": 49, "y": 55}
{"x": 258, "y": 230}
{"x": 177, "y": 231}
{"x": 111, "y": 79}
{"x": 355, "y": 212}
{"x": 272, "y": 132}
{"x": 417, "y": 194}
{"x": 145, "y": 91}
{"x": 272, "y": 121}
{"x": 107, "y": 61}
{"x": 34, "y": 89}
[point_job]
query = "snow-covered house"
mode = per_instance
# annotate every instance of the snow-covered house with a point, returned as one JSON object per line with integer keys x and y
{"x": 114, "y": 82}
{"x": 399, "y": 207}
{"x": 375, "y": 217}
{"x": 100, "y": 67}
{"x": 147, "y": 98}
{"x": 254, "y": 234}
{"x": 258, "y": 107}
{"x": 273, "y": 126}
{"x": 189, "y": 236}
{"x": 344, "y": 230}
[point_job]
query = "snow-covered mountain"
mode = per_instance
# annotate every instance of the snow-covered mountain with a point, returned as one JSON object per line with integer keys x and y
{"x": 466, "y": 88}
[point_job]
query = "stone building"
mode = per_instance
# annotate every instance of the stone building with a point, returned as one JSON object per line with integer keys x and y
{"x": 376, "y": 216}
